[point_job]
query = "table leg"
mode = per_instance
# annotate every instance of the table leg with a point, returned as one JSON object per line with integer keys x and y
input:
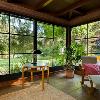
{"x": 48, "y": 74}
{"x": 42, "y": 78}
{"x": 31, "y": 74}
{"x": 22, "y": 77}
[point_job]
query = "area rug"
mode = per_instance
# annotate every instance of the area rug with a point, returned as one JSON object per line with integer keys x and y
{"x": 34, "y": 92}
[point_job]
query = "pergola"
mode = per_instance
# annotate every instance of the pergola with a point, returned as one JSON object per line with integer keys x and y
{"x": 66, "y": 13}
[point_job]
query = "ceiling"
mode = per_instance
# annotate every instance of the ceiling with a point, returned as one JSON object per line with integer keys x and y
{"x": 69, "y": 10}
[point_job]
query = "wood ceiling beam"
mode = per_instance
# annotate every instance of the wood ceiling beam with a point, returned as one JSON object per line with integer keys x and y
{"x": 77, "y": 12}
{"x": 72, "y": 7}
{"x": 15, "y": 1}
{"x": 12, "y": 8}
{"x": 42, "y": 4}
{"x": 39, "y": 5}
{"x": 90, "y": 16}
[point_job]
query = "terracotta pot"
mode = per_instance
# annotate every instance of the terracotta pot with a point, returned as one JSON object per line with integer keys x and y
{"x": 69, "y": 73}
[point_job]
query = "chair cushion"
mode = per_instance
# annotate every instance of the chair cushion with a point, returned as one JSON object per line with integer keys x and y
{"x": 91, "y": 69}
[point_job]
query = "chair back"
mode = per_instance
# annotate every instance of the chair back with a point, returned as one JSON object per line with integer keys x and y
{"x": 89, "y": 59}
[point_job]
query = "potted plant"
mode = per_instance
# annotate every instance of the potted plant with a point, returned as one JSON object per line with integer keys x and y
{"x": 79, "y": 52}
{"x": 69, "y": 52}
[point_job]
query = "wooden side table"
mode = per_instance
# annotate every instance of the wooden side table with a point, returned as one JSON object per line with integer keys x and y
{"x": 31, "y": 68}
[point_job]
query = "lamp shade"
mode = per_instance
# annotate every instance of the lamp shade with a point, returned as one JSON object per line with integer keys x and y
{"x": 37, "y": 52}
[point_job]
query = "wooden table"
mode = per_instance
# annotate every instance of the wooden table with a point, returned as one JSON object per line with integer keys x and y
{"x": 35, "y": 68}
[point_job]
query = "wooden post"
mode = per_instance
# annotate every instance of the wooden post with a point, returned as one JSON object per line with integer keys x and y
{"x": 68, "y": 36}
{"x": 35, "y": 41}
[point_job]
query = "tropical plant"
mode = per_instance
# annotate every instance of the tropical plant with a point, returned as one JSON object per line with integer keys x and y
{"x": 78, "y": 52}
{"x": 69, "y": 57}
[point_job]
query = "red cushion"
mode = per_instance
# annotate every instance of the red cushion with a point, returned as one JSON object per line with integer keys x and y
{"x": 91, "y": 69}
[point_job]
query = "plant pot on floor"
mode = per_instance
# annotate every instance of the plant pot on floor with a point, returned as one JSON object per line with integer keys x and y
{"x": 69, "y": 73}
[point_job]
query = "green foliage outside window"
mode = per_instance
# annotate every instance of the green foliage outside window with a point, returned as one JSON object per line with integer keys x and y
{"x": 52, "y": 45}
